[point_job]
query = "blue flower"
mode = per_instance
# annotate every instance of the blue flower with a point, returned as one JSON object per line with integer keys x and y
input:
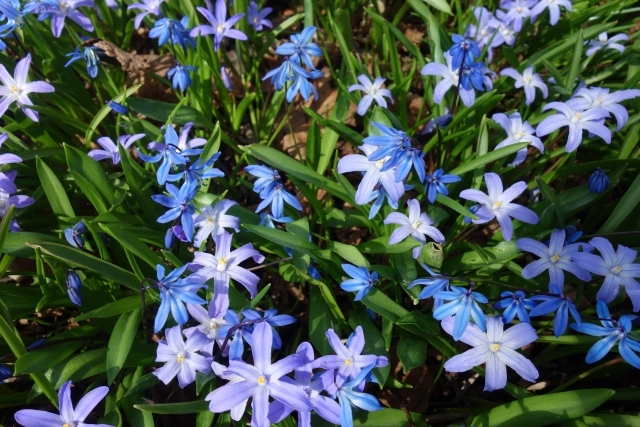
{"x": 74, "y": 286}
{"x": 180, "y": 205}
{"x": 612, "y": 331}
{"x": 5, "y": 373}
{"x": 464, "y": 51}
{"x": 88, "y": 54}
{"x": 118, "y": 108}
{"x": 165, "y": 29}
{"x": 272, "y": 318}
{"x": 257, "y": 17}
{"x": 361, "y": 280}
{"x": 437, "y": 283}
{"x": 220, "y": 27}
{"x": 350, "y": 396}
{"x": 286, "y": 72}
{"x": 472, "y": 75}
{"x": 179, "y": 76}
{"x": 464, "y": 304}
{"x": 598, "y": 181}
{"x": 515, "y": 303}
{"x": 474, "y": 210}
{"x": 436, "y": 181}
{"x": 74, "y": 234}
{"x": 198, "y": 171}
{"x": 301, "y": 49}
{"x": 267, "y": 180}
{"x": 149, "y": 7}
{"x": 174, "y": 293}
{"x": 266, "y": 220}
{"x": 560, "y": 304}
{"x": 271, "y": 190}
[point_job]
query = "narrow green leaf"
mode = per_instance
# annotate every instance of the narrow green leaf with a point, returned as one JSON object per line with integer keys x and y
{"x": 105, "y": 110}
{"x": 5, "y": 225}
{"x": 553, "y": 199}
{"x": 343, "y": 130}
{"x": 175, "y": 408}
{"x": 452, "y": 204}
{"x": 120, "y": 342}
{"x": 158, "y": 110}
{"x": 626, "y": 205}
{"x": 132, "y": 243}
{"x": 41, "y": 359}
{"x": 242, "y": 108}
{"x": 113, "y": 309}
{"x": 412, "y": 352}
{"x": 574, "y": 70}
{"x": 53, "y": 189}
{"x": 319, "y": 321}
{"x": 488, "y": 158}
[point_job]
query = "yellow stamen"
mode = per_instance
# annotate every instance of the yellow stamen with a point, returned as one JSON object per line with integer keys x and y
{"x": 262, "y": 380}
{"x": 494, "y": 347}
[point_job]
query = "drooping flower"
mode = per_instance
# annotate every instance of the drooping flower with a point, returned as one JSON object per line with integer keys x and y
{"x": 74, "y": 287}
{"x": 89, "y": 54}
{"x": 557, "y": 258}
{"x": 463, "y": 303}
{"x": 267, "y": 180}
{"x": 174, "y": 293}
{"x": 361, "y": 280}
{"x": 322, "y": 405}
{"x": 598, "y": 181}
{"x": 181, "y": 358}
{"x": 604, "y": 42}
{"x": 617, "y": 267}
{"x": 396, "y": 144}
{"x": 226, "y": 78}
{"x": 514, "y": 303}
{"x": 214, "y": 220}
{"x": 613, "y": 332}
{"x": 437, "y": 283}
{"x": 577, "y": 121}
{"x": 496, "y": 348}
{"x": 529, "y": 81}
{"x": 179, "y": 76}
{"x": 372, "y": 92}
{"x": 68, "y": 414}
{"x": 554, "y": 9}
{"x": 417, "y": 225}
{"x": 373, "y": 174}
{"x": 593, "y": 97}
{"x": 261, "y": 380}
{"x": 348, "y": 360}
{"x": 74, "y": 235}
{"x": 559, "y": 303}
{"x": 167, "y": 29}
{"x": 463, "y": 51}
{"x": 300, "y": 49}
{"x": 497, "y": 204}
{"x": 223, "y": 266}
{"x": 436, "y": 183}
{"x": 257, "y": 17}
{"x": 148, "y": 7}
{"x": 219, "y": 25}
{"x": 110, "y": 149}
{"x": 16, "y": 88}
{"x": 213, "y": 325}
{"x": 517, "y": 132}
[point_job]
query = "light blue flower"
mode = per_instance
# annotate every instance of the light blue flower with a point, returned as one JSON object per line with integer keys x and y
{"x": 560, "y": 304}
{"x": 515, "y": 303}
{"x": 417, "y": 225}
{"x": 257, "y": 18}
{"x": 613, "y": 332}
{"x": 174, "y": 293}
{"x": 529, "y": 81}
{"x": 372, "y": 92}
{"x": 463, "y": 303}
{"x": 89, "y": 55}
{"x": 179, "y": 76}
{"x": 435, "y": 183}
{"x": 180, "y": 204}
{"x": 300, "y": 49}
{"x": 361, "y": 280}
{"x": 577, "y": 121}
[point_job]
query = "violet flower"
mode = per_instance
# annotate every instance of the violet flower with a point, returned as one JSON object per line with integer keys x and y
{"x": 554, "y": 9}
{"x": 351, "y": 397}
{"x": 450, "y": 76}
{"x": 372, "y": 92}
{"x": 270, "y": 317}
{"x": 69, "y": 415}
{"x": 223, "y": 266}
{"x": 559, "y": 303}
{"x": 348, "y": 360}
{"x": 577, "y": 121}
{"x": 483, "y": 33}
{"x": 617, "y": 267}
{"x": 322, "y": 405}
{"x": 219, "y": 26}
{"x": 7, "y": 158}
{"x": 8, "y": 196}
{"x": 556, "y": 258}
{"x": 517, "y": 132}
{"x": 373, "y": 174}
{"x": 516, "y": 12}
{"x": 148, "y": 7}
{"x": 261, "y": 380}
{"x": 529, "y": 81}
{"x": 463, "y": 303}
{"x": 59, "y": 10}
{"x": 593, "y": 97}
{"x": 110, "y": 149}
{"x": 604, "y": 42}
{"x": 181, "y": 358}
{"x": 497, "y": 204}
{"x": 257, "y": 17}
{"x": 417, "y": 225}
{"x": 496, "y": 348}
{"x": 214, "y": 220}
{"x": 16, "y": 88}
{"x": 213, "y": 325}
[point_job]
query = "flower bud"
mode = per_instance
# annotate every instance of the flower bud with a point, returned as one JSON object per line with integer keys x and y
{"x": 74, "y": 286}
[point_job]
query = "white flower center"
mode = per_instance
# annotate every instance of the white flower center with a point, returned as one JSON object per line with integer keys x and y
{"x": 554, "y": 259}
{"x": 527, "y": 80}
{"x": 348, "y": 362}
{"x": 255, "y": 20}
{"x": 180, "y": 357}
{"x": 497, "y": 204}
{"x": 576, "y": 117}
{"x": 597, "y": 101}
{"x": 220, "y": 29}
{"x": 415, "y": 225}
{"x": 519, "y": 135}
{"x": 153, "y": 5}
{"x": 15, "y": 90}
{"x": 494, "y": 346}
{"x": 616, "y": 269}
{"x": 519, "y": 9}
{"x": 211, "y": 219}
{"x": 380, "y": 163}
{"x": 222, "y": 264}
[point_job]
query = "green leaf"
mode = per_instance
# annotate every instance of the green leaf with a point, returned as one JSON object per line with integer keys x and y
{"x": 41, "y": 359}
{"x": 81, "y": 259}
{"x": 4, "y": 227}
{"x": 161, "y": 111}
{"x": 291, "y": 166}
{"x": 380, "y": 245}
{"x": 488, "y": 158}
{"x": 412, "y": 352}
{"x": 143, "y": 383}
{"x": 242, "y": 107}
{"x": 282, "y": 238}
{"x": 553, "y": 199}
{"x": 16, "y": 243}
{"x": 413, "y": 50}
{"x": 349, "y": 253}
{"x": 132, "y": 243}
{"x": 383, "y": 418}
{"x": 53, "y": 189}
{"x": 626, "y": 205}
{"x": 81, "y": 165}
{"x": 418, "y": 323}
{"x": 319, "y": 321}
{"x": 538, "y": 411}
{"x": 113, "y": 309}
{"x": 353, "y": 137}
{"x": 105, "y": 110}
{"x": 452, "y": 204}
{"x": 120, "y": 342}
{"x": 574, "y": 70}
{"x": 604, "y": 420}
{"x": 175, "y": 408}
